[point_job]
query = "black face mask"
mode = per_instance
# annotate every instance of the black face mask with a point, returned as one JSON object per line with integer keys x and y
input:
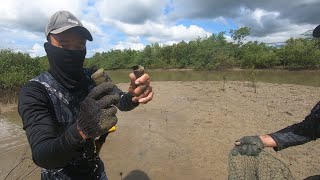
{"x": 66, "y": 66}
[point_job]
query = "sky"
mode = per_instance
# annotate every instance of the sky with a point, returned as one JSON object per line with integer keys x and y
{"x": 124, "y": 24}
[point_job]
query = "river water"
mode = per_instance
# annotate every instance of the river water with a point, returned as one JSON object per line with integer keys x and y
{"x": 13, "y": 142}
{"x": 308, "y": 78}
{"x": 15, "y": 153}
{"x": 11, "y": 133}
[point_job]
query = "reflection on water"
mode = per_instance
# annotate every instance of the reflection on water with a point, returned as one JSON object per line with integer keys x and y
{"x": 15, "y": 153}
{"x": 309, "y": 78}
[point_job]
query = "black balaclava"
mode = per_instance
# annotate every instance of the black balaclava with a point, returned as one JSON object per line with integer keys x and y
{"x": 66, "y": 66}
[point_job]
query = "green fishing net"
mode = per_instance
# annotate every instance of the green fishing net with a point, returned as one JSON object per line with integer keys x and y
{"x": 263, "y": 167}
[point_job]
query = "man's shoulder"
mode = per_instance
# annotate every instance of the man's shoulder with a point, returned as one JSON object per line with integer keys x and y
{"x": 32, "y": 93}
{"x": 34, "y": 83}
{"x": 33, "y": 88}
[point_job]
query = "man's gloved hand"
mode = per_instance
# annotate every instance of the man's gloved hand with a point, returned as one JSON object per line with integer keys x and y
{"x": 97, "y": 113}
{"x": 248, "y": 145}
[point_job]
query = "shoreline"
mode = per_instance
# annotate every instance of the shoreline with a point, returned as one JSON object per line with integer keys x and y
{"x": 9, "y": 107}
{"x": 5, "y": 108}
{"x": 219, "y": 70}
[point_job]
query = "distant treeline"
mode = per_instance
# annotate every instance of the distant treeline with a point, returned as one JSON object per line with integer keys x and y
{"x": 211, "y": 53}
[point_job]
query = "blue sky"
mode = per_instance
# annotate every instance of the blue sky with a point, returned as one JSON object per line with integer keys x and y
{"x": 132, "y": 24}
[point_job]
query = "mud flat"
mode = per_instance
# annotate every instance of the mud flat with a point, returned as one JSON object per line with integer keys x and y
{"x": 187, "y": 131}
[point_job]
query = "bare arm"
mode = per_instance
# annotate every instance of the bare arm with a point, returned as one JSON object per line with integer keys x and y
{"x": 268, "y": 141}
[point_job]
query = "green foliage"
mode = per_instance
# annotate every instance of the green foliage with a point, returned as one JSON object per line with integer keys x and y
{"x": 239, "y": 34}
{"x": 114, "y": 59}
{"x": 17, "y": 68}
{"x": 213, "y": 53}
{"x": 300, "y": 54}
{"x": 258, "y": 55}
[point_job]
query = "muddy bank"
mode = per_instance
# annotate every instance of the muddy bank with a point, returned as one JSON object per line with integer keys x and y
{"x": 5, "y": 108}
{"x": 186, "y": 132}
{"x": 188, "y": 129}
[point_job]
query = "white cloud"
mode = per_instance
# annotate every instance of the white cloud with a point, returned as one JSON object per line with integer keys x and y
{"x": 33, "y": 15}
{"x": 221, "y": 19}
{"x": 295, "y": 31}
{"x": 156, "y": 32}
{"x": 228, "y": 38}
{"x": 264, "y": 17}
{"x": 153, "y": 39}
{"x": 261, "y": 21}
{"x": 169, "y": 43}
{"x": 99, "y": 44}
{"x": 19, "y": 40}
{"x": 129, "y": 45}
{"x": 258, "y": 14}
{"x": 25, "y": 21}
{"x": 91, "y": 52}
{"x": 279, "y": 30}
{"x": 93, "y": 28}
{"x": 37, "y": 50}
{"x": 20, "y": 34}
{"x": 134, "y": 39}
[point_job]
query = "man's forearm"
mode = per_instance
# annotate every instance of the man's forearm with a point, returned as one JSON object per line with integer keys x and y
{"x": 287, "y": 139}
{"x": 57, "y": 152}
{"x": 299, "y": 133}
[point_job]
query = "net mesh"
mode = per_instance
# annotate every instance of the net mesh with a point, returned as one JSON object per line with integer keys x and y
{"x": 263, "y": 167}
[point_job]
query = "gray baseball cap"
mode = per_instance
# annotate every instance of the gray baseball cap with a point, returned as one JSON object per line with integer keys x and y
{"x": 64, "y": 20}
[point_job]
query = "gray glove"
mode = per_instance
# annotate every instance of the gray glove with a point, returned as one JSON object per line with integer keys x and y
{"x": 97, "y": 111}
{"x": 248, "y": 145}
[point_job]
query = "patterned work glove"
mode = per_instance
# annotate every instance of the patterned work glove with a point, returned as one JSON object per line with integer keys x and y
{"x": 248, "y": 145}
{"x": 97, "y": 111}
